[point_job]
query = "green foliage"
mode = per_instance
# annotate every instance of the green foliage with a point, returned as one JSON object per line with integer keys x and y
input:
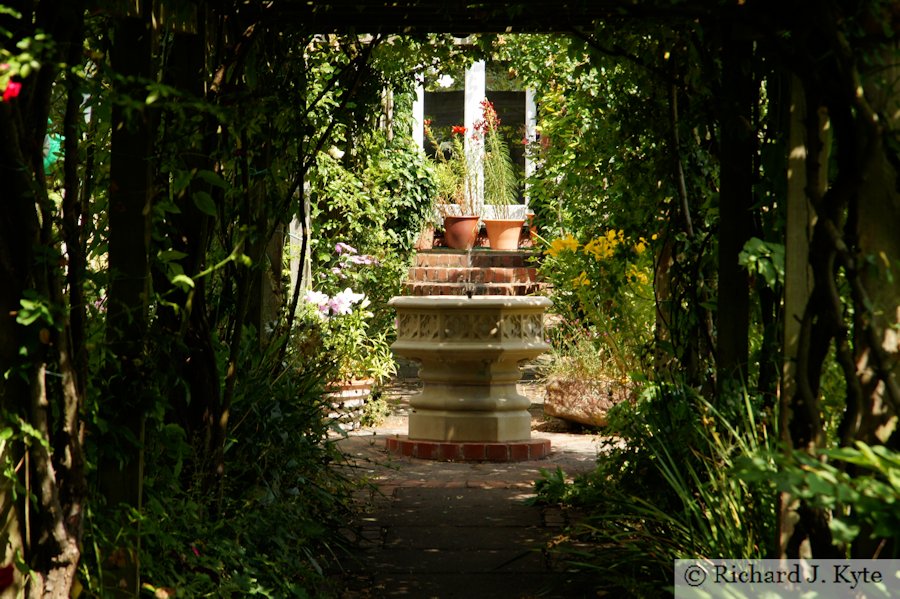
{"x": 603, "y": 293}
{"x": 605, "y": 161}
{"x": 859, "y": 485}
{"x": 271, "y": 527}
{"x": 403, "y": 175}
{"x": 667, "y": 490}
{"x": 454, "y": 176}
{"x": 765, "y": 259}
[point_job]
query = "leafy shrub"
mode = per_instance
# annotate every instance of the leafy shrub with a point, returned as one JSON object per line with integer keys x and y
{"x": 859, "y": 486}
{"x": 668, "y": 490}
{"x": 267, "y": 528}
{"x": 603, "y": 293}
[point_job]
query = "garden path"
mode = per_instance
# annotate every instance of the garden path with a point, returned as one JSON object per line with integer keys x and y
{"x": 459, "y": 530}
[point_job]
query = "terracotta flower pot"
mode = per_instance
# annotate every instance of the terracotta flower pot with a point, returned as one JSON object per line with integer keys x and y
{"x": 503, "y": 234}
{"x": 347, "y": 401}
{"x": 460, "y": 231}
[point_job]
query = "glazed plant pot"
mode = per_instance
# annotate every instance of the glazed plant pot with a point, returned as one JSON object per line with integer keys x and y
{"x": 503, "y": 234}
{"x": 460, "y": 231}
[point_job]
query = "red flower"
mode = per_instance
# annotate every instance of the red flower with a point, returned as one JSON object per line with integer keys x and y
{"x": 458, "y": 130}
{"x": 12, "y": 90}
{"x": 6, "y": 576}
{"x": 491, "y": 119}
{"x": 427, "y": 122}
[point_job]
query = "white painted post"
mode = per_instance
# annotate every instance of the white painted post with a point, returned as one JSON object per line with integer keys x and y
{"x": 530, "y": 135}
{"x": 418, "y": 133}
{"x": 475, "y": 93}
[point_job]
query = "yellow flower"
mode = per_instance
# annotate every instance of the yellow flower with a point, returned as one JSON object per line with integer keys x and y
{"x": 640, "y": 247}
{"x": 581, "y": 280}
{"x": 562, "y": 244}
{"x": 654, "y": 236}
{"x": 599, "y": 248}
{"x": 636, "y": 275}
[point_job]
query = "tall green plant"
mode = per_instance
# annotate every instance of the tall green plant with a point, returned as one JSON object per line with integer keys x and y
{"x": 672, "y": 492}
{"x": 501, "y": 186}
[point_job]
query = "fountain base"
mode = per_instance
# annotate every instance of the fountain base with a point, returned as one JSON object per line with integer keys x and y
{"x": 474, "y": 451}
{"x": 446, "y": 425}
{"x": 469, "y": 350}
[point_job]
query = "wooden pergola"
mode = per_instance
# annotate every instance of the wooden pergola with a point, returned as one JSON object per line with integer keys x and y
{"x": 463, "y": 17}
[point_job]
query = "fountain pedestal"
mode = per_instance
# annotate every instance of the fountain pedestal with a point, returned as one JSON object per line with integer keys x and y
{"x": 469, "y": 350}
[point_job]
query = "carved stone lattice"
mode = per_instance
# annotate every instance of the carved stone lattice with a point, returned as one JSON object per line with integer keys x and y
{"x": 429, "y": 327}
{"x": 484, "y": 327}
{"x": 512, "y": 327}
{"x": 532, "y": 327}
{"x": 408, "y": 326}
{"x": 470, "y": 327}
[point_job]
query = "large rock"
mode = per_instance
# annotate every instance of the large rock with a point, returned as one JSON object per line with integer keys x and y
{"x": 586, "y": 401}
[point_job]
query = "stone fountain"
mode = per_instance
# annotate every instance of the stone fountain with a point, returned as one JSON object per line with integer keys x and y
{"x": 469, "y": 350}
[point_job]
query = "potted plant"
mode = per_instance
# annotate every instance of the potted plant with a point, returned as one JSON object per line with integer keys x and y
{"x": 501, "y": 185}
{"x": 338, "y": 324}
{"x": 456, "y": 188}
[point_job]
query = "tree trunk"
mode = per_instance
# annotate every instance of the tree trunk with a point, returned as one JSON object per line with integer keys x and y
{"x": 735, "y": 217}
{"x": 798, "y": 276}
{"x": 877, "y": 321}
{"x": 44, "y": 529}
{"x": 876, "y": 292}
{"x": 129, "y": 240}
{"x": 193, "y": 356}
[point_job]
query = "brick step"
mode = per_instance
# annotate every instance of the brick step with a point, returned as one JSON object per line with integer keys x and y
{"x": 477, "y": 258}
{"x": 431, "y": 288}
{"x": 442, "y": 274}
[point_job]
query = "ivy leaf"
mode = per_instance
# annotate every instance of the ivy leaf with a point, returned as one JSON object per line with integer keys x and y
{"x": 183, "y": 281}
{"x": 204, "y": 203}
{"x": 213, "y": 178}
{"x": 169, "y": 255}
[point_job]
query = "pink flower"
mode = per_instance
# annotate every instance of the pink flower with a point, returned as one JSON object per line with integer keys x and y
{"x": 319, "y": 300}
{"x": 343, "y": 302}
{"x": 342, "y": 247}
{"x": 12, "y": 90}
{"x": 364, "y": 259}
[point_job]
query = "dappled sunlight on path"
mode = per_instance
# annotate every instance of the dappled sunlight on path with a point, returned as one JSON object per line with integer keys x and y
{"x": 441, "y": 529}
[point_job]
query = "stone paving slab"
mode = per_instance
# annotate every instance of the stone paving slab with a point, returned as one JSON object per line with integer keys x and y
{"x": 446, "y": 537}
{"x": 479, "y": 585}
{"x": 426, "y": 508}
{"x": 437, "y": 561}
